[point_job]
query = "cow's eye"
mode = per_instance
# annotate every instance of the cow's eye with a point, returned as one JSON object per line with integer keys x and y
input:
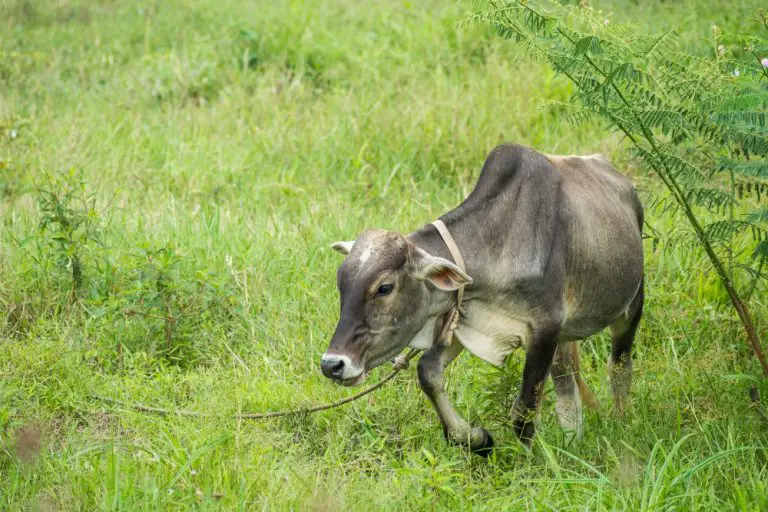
{"x": 385, "y": 289}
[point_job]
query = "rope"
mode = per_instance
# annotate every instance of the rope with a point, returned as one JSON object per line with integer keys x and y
{"x": 453, "y": 317}
{"x": 400, "y": 363}
{"x": 445, "y": 234}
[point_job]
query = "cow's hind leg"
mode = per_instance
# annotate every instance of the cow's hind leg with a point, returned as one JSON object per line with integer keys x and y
{"x": 564, "y": 376}
{"x": 430, "y": 368}
{"x": 623, "y": 333}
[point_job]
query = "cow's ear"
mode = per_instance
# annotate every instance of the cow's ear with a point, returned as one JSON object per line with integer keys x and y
{"x": 343, "y": 247}
{"x": 441, "y": 272}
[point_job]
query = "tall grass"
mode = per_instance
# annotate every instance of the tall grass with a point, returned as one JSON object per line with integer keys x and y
{"x": 217, "y": 149}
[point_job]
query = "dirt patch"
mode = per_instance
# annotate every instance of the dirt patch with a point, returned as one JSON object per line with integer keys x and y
{"x": 26, "y": 442}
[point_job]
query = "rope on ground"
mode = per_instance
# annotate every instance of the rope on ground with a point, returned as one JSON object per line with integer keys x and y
{"x": 400, "y": 363}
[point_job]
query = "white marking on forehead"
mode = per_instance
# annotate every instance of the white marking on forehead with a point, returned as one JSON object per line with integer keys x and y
{"x": 366, "y": 254}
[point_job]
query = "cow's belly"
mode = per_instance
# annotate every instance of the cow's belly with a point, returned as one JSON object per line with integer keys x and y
{"x": 602, "y": 280}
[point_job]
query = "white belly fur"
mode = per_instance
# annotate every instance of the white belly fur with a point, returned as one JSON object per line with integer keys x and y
{"x": 486, "y": 331}
{"x": 490, "y": 333}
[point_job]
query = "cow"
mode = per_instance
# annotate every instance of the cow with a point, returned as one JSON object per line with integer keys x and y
{"x": 553, "y": 253}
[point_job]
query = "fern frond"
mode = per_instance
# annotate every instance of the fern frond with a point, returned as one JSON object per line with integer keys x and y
{"x": 662, "y": 205}
{"x": 710, "y": 198}
{"x": 662, "y": 42}
{"x": 758, "y": 216}
{"x": 667, "y": 120}
{"x": 746, "y": 119}
{"x": 756, "y": 144}
{"x": 743, "y": 102}
{"x": 752, "y": 168}
{"x": 724, "y": 230}
{"x": 680, "y": 237}
{"x": 680, "y": 113}
{"x": 670, "y": 163}
{"x": 761, "y": 251}
{"x": 588, "y": 45}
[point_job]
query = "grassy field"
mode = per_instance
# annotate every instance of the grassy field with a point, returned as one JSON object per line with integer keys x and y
{"x": 171, "y": 177}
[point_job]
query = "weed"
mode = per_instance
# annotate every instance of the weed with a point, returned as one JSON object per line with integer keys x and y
{"x": 172, "y": 305}
{"x": 69, "y": 225}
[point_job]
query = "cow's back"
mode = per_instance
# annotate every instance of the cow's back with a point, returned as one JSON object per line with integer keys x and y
{"x": 603, "y": 218}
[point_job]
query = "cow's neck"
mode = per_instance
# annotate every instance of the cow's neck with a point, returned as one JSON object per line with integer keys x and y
{"x": 429, "y": 239}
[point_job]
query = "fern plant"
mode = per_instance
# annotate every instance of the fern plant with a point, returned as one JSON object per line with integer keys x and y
{"x": 696, "y": 122}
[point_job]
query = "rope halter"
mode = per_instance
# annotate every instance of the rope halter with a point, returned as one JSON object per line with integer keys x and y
{"x": 446, "y": 336}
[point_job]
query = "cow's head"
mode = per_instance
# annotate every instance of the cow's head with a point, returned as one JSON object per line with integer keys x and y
{"x": 386, "y": 286}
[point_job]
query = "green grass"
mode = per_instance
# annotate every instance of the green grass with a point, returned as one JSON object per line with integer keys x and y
{"x": 225, "y": 146}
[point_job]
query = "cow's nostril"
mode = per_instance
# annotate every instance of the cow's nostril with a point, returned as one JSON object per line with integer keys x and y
{"x": 333, "y": 368}
{"x": 337, "y": 368}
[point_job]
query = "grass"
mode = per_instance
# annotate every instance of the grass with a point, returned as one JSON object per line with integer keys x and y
{"x": 196, "y": 159}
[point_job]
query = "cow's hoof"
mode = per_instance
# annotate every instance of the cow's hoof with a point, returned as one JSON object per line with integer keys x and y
{"x": 526, "y": 443}
{"x": 525, "y": 432}
{"x": 486, "y": 447}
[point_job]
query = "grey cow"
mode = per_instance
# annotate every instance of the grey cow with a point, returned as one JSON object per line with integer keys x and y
{"x": 553, "y": 253}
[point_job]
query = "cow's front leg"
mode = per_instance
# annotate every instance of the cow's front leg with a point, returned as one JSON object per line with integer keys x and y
{"x": 431, "y": 368}
{"x": 538, "y": 359}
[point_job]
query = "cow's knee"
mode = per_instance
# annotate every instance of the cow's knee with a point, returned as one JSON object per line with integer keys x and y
{"x": 430, "y": 374}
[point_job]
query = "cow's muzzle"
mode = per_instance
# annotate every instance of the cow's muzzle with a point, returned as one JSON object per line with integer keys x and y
{"x": 341, "y": 369}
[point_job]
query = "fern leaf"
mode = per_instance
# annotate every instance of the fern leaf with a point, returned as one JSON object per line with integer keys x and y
{"x": 743, "y": 118}
{"x": 751, "y": 143}
{"x": 589, "y": 45}
{"x": 662, "y": 205}
{"x": 665, "y": 119}
{"x": 724, "y": 230}
{"x": 751, "y": 168}
{"x": 758, "y": 216}
{"x": 674, "y": 165}
{"x": 761, "y": 251}
{"x": 742, "y": 102}
{"x": 710, "y": 198}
